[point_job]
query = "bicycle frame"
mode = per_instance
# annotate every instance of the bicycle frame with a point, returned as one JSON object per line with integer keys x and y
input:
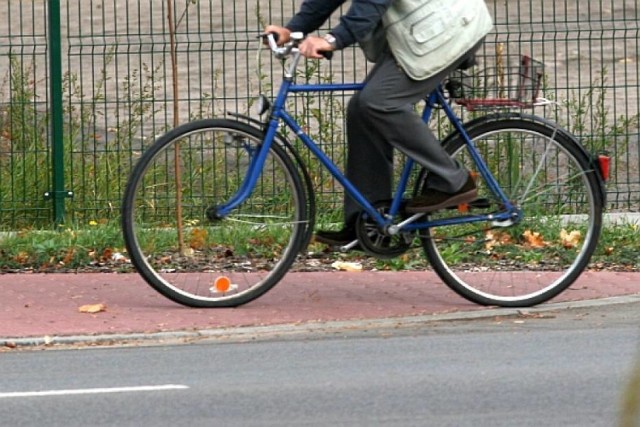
{"x": 435, "y": 99}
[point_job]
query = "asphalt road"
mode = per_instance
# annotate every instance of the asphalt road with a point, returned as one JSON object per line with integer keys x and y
{"x": 564, "y": 368}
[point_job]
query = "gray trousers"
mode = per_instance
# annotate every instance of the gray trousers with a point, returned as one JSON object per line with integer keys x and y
{"x": 381, "y": 117}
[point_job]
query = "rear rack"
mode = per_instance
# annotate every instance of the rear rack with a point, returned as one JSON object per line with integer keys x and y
{"x": 499, "y": 87}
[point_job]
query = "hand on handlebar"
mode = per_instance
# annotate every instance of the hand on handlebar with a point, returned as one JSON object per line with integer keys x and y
{"x": 315, "y": 47}
{"x": 282, "y": 34}
{"x": 310, "y": 47}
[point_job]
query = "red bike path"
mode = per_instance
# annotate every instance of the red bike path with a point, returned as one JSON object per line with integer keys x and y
{"x": 49, "y": 305}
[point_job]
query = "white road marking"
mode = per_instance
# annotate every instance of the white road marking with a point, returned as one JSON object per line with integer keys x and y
{"x": 93, "y": 391}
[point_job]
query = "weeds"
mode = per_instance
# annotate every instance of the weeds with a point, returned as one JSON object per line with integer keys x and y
{"x": 23, "y": 147}
{"x": 590, "y": 118}
{"x": 99, "y": 159}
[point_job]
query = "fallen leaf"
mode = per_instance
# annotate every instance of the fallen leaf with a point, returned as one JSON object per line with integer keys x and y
{"x": 187, "y": 252}
{"x": 347, "y": 266}
{"x": 92, "y": 308}
{"x": 198, "y": 238}
{"x": 496, "y": 238}
{"x": 534, "y": 239}
{"x": 570, "y": 240}
{"x": 69, "y": 256}
{"x": 22, "y": 257}
{"x": 118, "y": 257}
{"x": 106, "y": 254}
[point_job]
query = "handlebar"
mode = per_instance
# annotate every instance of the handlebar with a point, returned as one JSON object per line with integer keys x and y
{"x": 289, "y": 47}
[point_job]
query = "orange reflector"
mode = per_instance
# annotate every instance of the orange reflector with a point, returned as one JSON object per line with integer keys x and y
{"x": 222, "y": 284}
{"x": 463, "y": 208}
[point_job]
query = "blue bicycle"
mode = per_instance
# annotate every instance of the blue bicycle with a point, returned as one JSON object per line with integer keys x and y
{"x": 217, "y": 211}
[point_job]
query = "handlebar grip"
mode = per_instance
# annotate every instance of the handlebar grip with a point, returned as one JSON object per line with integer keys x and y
{"x": 328, "y": 54}
{"x": 269, "y": 38}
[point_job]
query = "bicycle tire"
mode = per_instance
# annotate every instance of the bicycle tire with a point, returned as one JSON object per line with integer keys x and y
{"x": 187, "y": 252}
{"x": 550, "y": 177}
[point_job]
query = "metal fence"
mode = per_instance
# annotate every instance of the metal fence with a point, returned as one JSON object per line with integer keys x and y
{"x": 86, "y": 85}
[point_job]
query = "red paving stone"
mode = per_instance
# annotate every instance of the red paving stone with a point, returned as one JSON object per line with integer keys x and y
{"x": 37, "y": 305}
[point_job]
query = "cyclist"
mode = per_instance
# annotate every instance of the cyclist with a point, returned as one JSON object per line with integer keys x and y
{"x": 381, "y": 116}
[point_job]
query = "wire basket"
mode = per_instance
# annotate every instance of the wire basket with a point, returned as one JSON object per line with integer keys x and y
{"x": 499, "y": 87}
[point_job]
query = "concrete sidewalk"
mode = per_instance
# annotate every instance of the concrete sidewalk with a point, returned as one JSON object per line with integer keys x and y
{"x": 38, "y": 307}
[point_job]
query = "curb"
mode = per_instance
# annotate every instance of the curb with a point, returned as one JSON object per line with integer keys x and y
{"x": 290, "y": 331}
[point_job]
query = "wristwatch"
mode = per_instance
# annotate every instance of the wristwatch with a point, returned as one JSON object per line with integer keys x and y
{"x": 329, "y": 38}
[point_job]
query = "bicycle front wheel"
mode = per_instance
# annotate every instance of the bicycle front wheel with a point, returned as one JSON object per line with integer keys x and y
{"x": 177, "y": 240}
{"x": 525, "y": 261}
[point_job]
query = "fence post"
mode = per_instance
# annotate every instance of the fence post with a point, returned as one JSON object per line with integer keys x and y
{"x": 58, "y": 194}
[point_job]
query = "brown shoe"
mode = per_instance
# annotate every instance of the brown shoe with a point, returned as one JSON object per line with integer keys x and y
{"x": 434, "y": 200}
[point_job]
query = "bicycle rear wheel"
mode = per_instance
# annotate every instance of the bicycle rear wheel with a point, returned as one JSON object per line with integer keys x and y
{"x": 178, "y": 243}
{"x": 524, "y": 262}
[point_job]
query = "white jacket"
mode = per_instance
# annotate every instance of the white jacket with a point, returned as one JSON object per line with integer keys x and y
{"x": 426, "y": 36}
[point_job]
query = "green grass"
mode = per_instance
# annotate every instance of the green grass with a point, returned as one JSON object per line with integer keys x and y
{"x": 93, "y": 247}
